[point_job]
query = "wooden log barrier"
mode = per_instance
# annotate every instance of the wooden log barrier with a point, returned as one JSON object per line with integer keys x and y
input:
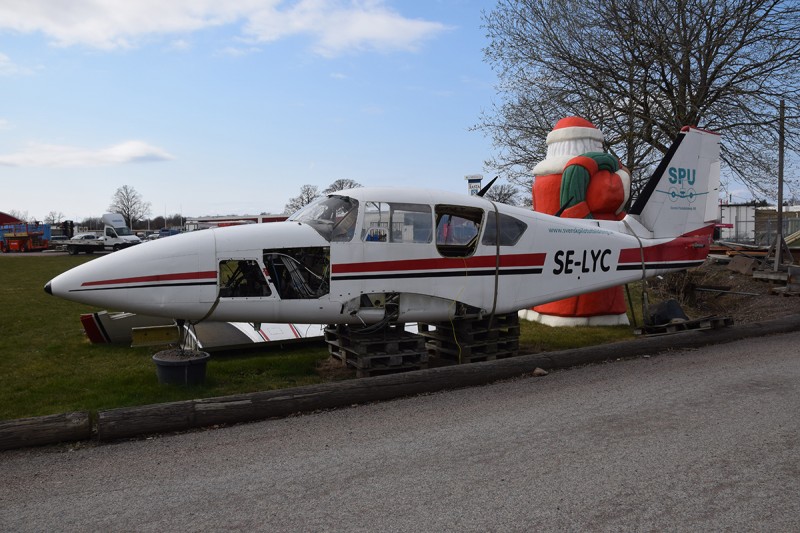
{"x": 145, "y": 419}
{"x": 40, "y": 430}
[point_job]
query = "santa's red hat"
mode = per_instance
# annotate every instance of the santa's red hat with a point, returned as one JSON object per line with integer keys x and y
{"x": 570, "y": 137}
{"x": 572, "y": 128}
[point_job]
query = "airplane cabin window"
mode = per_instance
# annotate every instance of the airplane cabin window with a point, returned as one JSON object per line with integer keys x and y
{"x": 457, "y": 229}
{"x": 511, "y": 230}
{"x": 376, "y": 222}
{"x": 242, "y": 278}
{"x": 397, "y": 222}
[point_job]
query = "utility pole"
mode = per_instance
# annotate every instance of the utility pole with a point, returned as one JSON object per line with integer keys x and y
{"x": 779, "y": 242}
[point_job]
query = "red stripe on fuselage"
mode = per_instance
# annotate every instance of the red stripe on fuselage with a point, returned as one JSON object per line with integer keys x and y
{"x": 485, "y": 261}
{"x": 180, "y": 276}
{"x": 682, "y": 248}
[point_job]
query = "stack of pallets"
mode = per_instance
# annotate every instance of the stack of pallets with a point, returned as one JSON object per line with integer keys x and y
{"x": 473, "y": 340}
{"x": 389, "y": 350}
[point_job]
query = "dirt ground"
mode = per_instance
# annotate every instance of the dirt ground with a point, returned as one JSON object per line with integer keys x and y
{"x": 745, "y": 298}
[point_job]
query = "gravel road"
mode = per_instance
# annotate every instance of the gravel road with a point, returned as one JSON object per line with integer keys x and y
{"x": 686, "y": 441}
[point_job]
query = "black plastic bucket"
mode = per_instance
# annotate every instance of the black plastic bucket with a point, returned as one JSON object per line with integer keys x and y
{"x": 186, "y": 370}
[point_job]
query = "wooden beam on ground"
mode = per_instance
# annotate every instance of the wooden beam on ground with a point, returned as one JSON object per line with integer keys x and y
{"x": 40, "y": 430}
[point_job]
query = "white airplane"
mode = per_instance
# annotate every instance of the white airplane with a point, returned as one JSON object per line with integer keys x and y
{"x": 398, "y": 255}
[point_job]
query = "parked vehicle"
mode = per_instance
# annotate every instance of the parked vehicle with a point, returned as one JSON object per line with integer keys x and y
{"x": 26, "y": 237}
{"x": 166, "y": 232}
{"x": 116, "y": 235}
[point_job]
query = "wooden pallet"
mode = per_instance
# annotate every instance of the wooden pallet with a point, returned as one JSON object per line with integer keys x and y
{"x": 770, "y": 276}
{"x": 444, "y": 332}
{"x": 501, "y": 326}
{"x": 383, "y": 342}
{"x": 473, "y": 340}
{"x": 472, "y": 352}
{"x": 388, "y": 351}
{"x": 784, "y": 291}
{"x": 710, "y": 322}
{"x": 376, "y": 365}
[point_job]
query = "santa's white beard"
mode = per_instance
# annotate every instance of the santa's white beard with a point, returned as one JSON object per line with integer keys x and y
{"x": 559, "y": 153}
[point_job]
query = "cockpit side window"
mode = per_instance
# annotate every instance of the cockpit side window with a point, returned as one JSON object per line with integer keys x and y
{"x": 397, "y": 222}
{"x": 242, "y": 278}
{"x": 457, "y": 229}
{"x": 345, "y": 226}
{"x": 333, "y": 217}
{"x": 509, "y": 232}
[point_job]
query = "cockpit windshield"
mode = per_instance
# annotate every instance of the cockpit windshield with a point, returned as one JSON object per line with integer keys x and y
{"x": 334, "y": 217}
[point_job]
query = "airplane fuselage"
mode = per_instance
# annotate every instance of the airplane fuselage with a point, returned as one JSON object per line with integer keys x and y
{"x": 411, "y": 260}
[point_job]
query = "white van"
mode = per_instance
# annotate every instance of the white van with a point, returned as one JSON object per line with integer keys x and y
{"x": 116, "y": 234}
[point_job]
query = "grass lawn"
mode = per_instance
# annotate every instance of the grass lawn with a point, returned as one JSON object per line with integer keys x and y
{"x": 48, "y": 366}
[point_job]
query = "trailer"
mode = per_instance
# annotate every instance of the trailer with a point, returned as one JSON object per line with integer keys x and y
{"x": 24, "y": 237}
{"x": 84, "y": 243}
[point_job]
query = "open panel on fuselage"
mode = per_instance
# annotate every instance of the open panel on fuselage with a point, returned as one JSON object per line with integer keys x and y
{"x": 299, "y": 273}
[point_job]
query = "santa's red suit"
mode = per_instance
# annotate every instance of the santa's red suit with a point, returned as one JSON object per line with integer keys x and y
{"x": 591, "y": 184}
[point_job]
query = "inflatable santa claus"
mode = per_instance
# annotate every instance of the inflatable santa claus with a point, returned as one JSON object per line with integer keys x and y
{"x": 578, "y": 180}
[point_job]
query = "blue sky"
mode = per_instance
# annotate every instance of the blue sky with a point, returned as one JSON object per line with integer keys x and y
{"x": 216, "y": 108}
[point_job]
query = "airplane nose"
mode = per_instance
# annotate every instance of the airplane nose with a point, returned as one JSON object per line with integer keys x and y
{"x": 48, "y": 289}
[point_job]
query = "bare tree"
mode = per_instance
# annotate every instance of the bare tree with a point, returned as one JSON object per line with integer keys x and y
{"x": 91, "y": 224}
{"x": 642, "y": 69}
{"x": 308, "y": 193}
{"x": 158, "y": 222}
{"x": 340, "y": 185}
{"x": 505, "y": 193}
{"x": 54, "y": 217}
{"x": 21, "y": 215}
{"x": 128, "y": 203}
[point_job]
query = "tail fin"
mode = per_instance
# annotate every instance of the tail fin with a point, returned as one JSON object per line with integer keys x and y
{"x": 681, "y": 196}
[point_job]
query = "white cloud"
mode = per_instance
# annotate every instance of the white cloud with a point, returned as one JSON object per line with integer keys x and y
{"x": 112, "y": 24}
{"x": 339, "y": 27}
{"x": 334, "y": 26}
{"x": 51, "y": 155}
{"x": 238, "y": 51}
{"x": 9, "y": 68}
{"x": 180, "y": 45}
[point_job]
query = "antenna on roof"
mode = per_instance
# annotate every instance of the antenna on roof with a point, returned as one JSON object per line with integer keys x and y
{"x": 487, "y": 187}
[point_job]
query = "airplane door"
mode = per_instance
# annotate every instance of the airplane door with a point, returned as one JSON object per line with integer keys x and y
{"x": 389, "y": 251}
